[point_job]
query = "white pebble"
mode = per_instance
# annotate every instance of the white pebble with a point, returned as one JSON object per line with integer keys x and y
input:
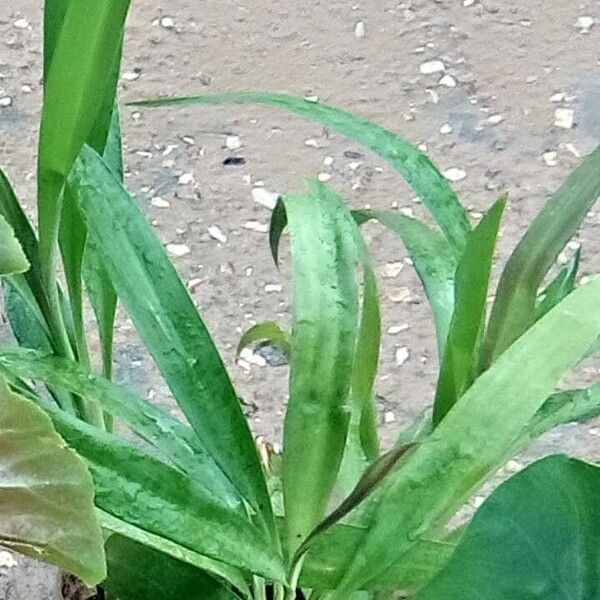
{"x": 468, "y": 3}
{"x": 495, "y": 119}
{"x": 131, "y": 75}
{"x": 158, "y": 202}
{"x": 311, "y": 143}
{"x": 7, "y": 560}
{"x": 254, "y": 359}
{"x": 167, "y": 23}
{"x": 328, "y": 161}
{"x": 446, "y": 128}
{"x": 354, "y": 166}
{"x": 389, "y": 416}
{"x": 584, "y": 24}
{"x": 265, "y": 198}
{"x": 407, "y": 211}
{"x": 454, "y": 174}
{"x": 192, "y": 284}
{"x": 216, "y": 234}
{"x": 323, "y": 177}
{"x": 272, "y": 288}
{"x": 478, "y": 501}
{"x": 391, "y": 270}
{"x": 432, "y": 66}
{"x": 178, "y": 250}
{"x": 360, "y": 30}
{"x": 573, "y": 150}
{"x": 5, "y": 102}
{"x": 233, "y": 142}
{"x": 514, "y": 466}
{"x": 312, "y": 99}
{"x": 186, "y": 179}
{"x": 564, "y": 118}
{"x": 256, "y": 226}
{"x": 396, "y": 329}
{"x": 402, "y": 355}
{"x": 550, "y": 158}
{"x": 558, "y": 97}
{"x": 402, "y": 294}
{"x": 447, "y": 81}
{"x": 21, "y": 24}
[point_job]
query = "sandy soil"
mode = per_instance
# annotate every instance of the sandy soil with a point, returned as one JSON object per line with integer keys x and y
{"x": 510, "y": 66}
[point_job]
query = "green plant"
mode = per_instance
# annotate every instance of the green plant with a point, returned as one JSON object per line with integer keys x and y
{"x": 186, "y": 507}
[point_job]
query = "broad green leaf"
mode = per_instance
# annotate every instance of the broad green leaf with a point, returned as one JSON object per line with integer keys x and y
{"x": 416, "y": 168}
{"x": 594, "y": 349}
{"x": 46, "y": 493}
{"x": 141, "y": 490}
{"x": 170, "y": 326}
{"x": 325, "y": 323}
{"x": 434, "y": 259}
{"x": 476, "y": 435}
{"x": 54, "y": 15}
{"x": 536, "y": 536}
{"x": 270, "y": 332}
{"x": 560, "y": 287}
{"x": 513, "y": 311}
{"x": 12, "y": 257}
{"x": 461, "y": 355}
{"x": 327, "y": 560}
{"x": 221, "y": 571}
{"x": 176, "y": 442}
{"x": 136, "y": 572}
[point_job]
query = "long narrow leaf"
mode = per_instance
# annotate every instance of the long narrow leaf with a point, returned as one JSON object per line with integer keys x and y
{"x": 560, "y": 287}
{"x": 170, "y": 325}
{"x": 471, "y": 289}
{"x": 416, "y": 168}
{"x": 513, "y": 311}
{"x": 476, "y": 434}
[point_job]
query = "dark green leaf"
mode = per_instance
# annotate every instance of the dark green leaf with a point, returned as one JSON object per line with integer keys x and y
{"x": 416, "y": 168}
{"x": 461, "y": 356}
{"x": 536, "y": 537}
{"x": 270, "y": 332}
{"x": 560, "y": 287}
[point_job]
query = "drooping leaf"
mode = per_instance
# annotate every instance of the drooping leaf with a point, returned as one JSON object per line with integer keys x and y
{"x": 434, "y": 259}
{"x": 461, "y": 355}
{"x": 513, "y": 311}
{"x": 12, "y": 257}
{"x": 46, "y": 493}
{"x": 141, "y": 490}
{"x": 416, "y": 168}
{"x": 136, "y": 572}
{"x": 476, "y": 435}
{"x": 170, "y": 326}
{"x": 560, "y": 287}
{"x": 325, "y": 323}
{"x": 535, "y": 537}
{"x": 176, "y": 442}
{"x": 268, "y": 331}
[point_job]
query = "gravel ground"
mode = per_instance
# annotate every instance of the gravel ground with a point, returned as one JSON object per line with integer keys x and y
{"x": 503, "y": 95}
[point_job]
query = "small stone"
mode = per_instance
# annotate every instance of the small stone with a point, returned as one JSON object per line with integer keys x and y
{"x": 514, "y": 466}
{"x": 467, "y": 3}
{"x": 446, "y": 128}
{"x": 7, "y": 560}
{"x": 216, "y": 234}
{"x": 402, "y": 355}
{"x": 407, "y": 211}
{"x": 265, "y": 198}
{"x": 574, "y": 245}
{"x": 360, "y": 30}
{"x": 584, "y": 24}
{"x": 186, "y": 179}
{"x": 573, "y": 150}
{"x": 550, "y": 158}
{"x": 389, "y": 416}
{"x": 5, "y": 102}
{"x": 393, "y": 269}
{"x": 531, "y": 79}
{"x": 328, "y": 161}
{"x": 396, "y": 329}
{"x": 557, "y": 98}
{"x": 26, "y": 89}
{"x": 564, "y": 118}
{"x": 312, "y": 99}
{"x": 454, "y": 174}
{"x": 158, "y": 202}
{"x": 193, "y": 284}
{"x": 167, "y": 23}
{"x": 323, "y": 177}
{"x": 562, "y": 259}
{"x": 234, "y": 161}
{"x": 272, "y": 288}
{"x": 432, "y": 66}
{"x": 178, "y": 250}
{"x": 251, "y": 358}
{"x": 402, "y": 294}
{"x": 21, "y": 24}
{"x": 447, "y": 81}
{"x": 132, "y": 75}
{"x": 311, "y": 143}
{"x": 354, "y": 166}
{"x": 233, "y": 142}
{"x": 495, "y": 119}
{"x": 256, "y": 226}
{"x": 478, "y": 501}
{"x": 353, "y": 154}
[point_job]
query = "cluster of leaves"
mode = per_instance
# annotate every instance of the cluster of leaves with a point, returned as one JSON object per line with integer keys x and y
{"x": 185, "y": 509}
